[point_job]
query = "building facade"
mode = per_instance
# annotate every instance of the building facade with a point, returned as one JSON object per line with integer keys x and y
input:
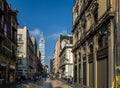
{"x": 94, "y": 42}
{"x": 27, "y": 53}
{"x": 52, "y": 66}
{"x": 57, "y": 58}
{"x": 66, "y": 57}
{"x": 22, "y": 51}
{"x": 42, "y": 48}
{"x": 8, "y": 42}
{"x": 39, "y": 64}
{"x": 35, "y": 58}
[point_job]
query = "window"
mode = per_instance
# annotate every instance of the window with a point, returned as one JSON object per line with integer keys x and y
{"x": 5, "y": 30}
{"x": 91, "y": 48}
{"x": 19, "y": 61}
{"x": 19, "y": 37}
{"x": 20, "y": 48}
{"x": 77, "y": 34}
{"x": 103, "y": 41}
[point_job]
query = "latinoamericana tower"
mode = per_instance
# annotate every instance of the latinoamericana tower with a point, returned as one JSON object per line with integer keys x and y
{"x": 42, "y": 48}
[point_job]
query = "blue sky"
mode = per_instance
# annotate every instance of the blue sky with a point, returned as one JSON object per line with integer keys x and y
{"x": 52, "y": 17}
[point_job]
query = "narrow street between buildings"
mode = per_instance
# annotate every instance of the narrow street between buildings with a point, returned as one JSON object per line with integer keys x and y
{"x": 48, "y": 83}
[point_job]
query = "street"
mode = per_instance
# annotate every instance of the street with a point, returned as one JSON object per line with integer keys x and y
{"x": 40, "y": 84}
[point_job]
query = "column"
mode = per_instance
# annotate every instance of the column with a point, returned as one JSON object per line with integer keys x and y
{"x": 81, "y": 76}
{"x": 95, "y": 60}
{"x": 87, "y": 64}
{"x": 7, "y": 72}
{"x": 111, "y": 55}
{"x": 77, "y": 67}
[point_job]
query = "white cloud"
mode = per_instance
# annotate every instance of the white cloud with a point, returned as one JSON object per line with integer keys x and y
{"x": 56, "y": 35}
{"x": 35, "y": 32}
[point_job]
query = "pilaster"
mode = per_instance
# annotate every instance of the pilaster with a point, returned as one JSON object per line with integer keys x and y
{"x": 95, "y": 60}
{"x": 81, "y": 76}
{"x": 111, "y": 61}
{"x": 77, "y": 68}
{"x": 87, "y": 64}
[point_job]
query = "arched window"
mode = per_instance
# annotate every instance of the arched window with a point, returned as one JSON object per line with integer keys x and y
{"x": 91, "y": 48}
{"x": 102, "y": 41}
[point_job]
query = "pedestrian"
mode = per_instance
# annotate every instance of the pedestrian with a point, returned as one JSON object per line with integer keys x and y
{"x": 70, "y": 79}
{"x": 31, "y": 77}
{"x": 34, "y": 78}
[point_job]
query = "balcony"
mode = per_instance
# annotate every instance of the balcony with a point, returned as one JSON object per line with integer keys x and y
{"x": 63, "y": 64}
{"x": 104, "y": 19}
{"x": 2, "y": 37}
{"x": 20, "y": 41}
{"x": 102, "y": 53}
{"x": 5, "y": 52}
{"x": 82, "y": 11}
{"x": 90, "y": 57}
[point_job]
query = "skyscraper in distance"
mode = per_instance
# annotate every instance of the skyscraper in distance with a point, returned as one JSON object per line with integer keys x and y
{"x": 42, "y": 48}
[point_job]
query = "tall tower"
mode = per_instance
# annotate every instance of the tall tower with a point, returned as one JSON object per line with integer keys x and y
{"x": 42, "y": 48}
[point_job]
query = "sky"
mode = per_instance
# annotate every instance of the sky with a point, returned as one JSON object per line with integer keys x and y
{"x": 52, "y": 17}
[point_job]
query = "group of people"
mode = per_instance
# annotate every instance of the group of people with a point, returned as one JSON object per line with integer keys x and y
{"x": 35, "y": 78}
{"x": 20, "y": 78}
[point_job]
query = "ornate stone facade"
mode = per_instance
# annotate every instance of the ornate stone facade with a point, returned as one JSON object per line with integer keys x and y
{"x": 8, "y": 42}
{"x": 94, "y": 54}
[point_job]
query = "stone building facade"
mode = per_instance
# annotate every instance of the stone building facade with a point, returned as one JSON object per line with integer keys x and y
{"x": 94, "y": 42}
{"x": 56, "y": 57}
{"x": 66, "y": 57}
{"x": 39, "y": 68}
{"x": 8, "y": 42}
{"x": 27, "y": 53}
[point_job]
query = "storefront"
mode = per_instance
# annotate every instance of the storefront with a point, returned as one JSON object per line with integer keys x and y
{"x": 3, "y": 74}
{"x": 12, "y": 73}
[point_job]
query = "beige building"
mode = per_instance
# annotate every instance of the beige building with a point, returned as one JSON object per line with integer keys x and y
{"x": 8, "y": 42}
{"x": 94, "y": 42}
{"x": 66, "y": 57}
{"x": 22, "y": 36}
{"x": 56, "y": 56}
{"x": 27, "y": 53}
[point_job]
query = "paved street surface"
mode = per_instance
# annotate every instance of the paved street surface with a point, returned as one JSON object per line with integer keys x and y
{"x": 40, "y": 84}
